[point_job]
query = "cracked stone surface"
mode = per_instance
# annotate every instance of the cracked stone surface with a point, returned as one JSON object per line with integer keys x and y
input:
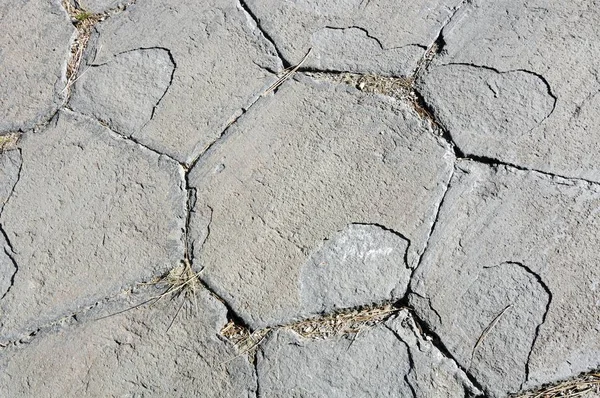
{"x": 509, "y": 280}
{"x": 33, "y": 60}
{"x": 526, "y": 88}
{"x": 222, "y": 63}
{"x": 419, "y": 200}
{"x": 297, "y": 171}
{"x": 131, "y": 355}
{"x": 391, "y": 360}
{"x": 79, "y": 216}
{"x": 354, "y": 35}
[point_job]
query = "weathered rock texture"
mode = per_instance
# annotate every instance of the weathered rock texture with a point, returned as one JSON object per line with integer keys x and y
{"x": 34, "y": 49}
{"x": 384, "y": 37}
{"x": 98, "y": 6}
{"x": 221, "y": 62}
{"x": 516, "y": 81}
{"x": 390, "y": 360}
{"x": 281, "y": 191}
{"x": 509, "y": 279}
{"x": 10, "y": 168}
{"x": 78, "y": 220}
{"x": 133, "y": 355}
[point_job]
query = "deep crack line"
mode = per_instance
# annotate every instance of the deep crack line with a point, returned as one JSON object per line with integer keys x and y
{"x": 9, "y": 253}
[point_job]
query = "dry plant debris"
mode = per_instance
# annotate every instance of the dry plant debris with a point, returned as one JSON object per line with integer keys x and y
{"x": 9, "y": 141}
{"x": 337, "y": 324}
{"x": 586, "y": 385}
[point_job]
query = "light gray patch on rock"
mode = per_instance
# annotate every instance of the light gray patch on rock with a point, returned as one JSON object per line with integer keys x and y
{"x": 32, "y": 61}
{"x": 382, "y": 37}
{"x": 91, "y": 213}
{"x": 125, "y": 91}
{"x": 386, "y": 361}
{"x": 483, "y": 108}
{"x": 301, "y": 166}
{"x": 223, "y": 64}
{"x": 359, "y": 264}
{"x": 504, "y": 238}
{"x": 132, "y": 354}
{"x": 550, "y": 40}
{"x": 10, "y": 167}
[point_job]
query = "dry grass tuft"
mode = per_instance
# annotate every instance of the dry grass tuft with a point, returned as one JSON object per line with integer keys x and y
{"x": 343, "y": 323}
{"x": 9, "y": 141}
{"x": 586, "y": 385}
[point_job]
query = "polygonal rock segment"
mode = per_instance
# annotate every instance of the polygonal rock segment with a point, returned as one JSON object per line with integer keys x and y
{"x": 550, "y": 40}
{"x": 483, "y": 109}
{"x": 432, "y": 373}
{"x": 539, "y": 236}
{"x": 32, "y": 61}
{"x": 125, "y": 91}
{"x": 378, "y": 36}
{"x": 98, "y": 213}
{"x": 360, "y": 264}
{"x": 303, "y": 165}
{"x": 375, "y": 363}
{"x": 223, "y": 63}
{"x": 10, "y": 168}
{"x": 133, "y": 354}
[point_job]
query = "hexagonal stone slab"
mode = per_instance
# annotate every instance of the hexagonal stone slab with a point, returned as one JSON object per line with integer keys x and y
{"x": 391, "y": 360}
{"x": 376, "y": 36}
{"x": 509, "y": 278}
{"x": 132, "y": 354}
{"x": 528, "y": 98}
{"x": 90, "y": 214}
{"x": 222, "y": 63}
{"x": 33, "y": 61}
{"x": 279, "y": 200}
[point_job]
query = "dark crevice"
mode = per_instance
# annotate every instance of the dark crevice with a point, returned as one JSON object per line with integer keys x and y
{"x": 437, "y": 314}
{"x": 189, "y": 206}
{"x": 231, "y": 314}
{"x": 255, "y": 366}
{"x": 365, "y": 31}
{"x": 411, "y": 361}
{"x": 256, "y": 20}
{"x": 107, "y": 125}
{"x": 12, "y": 190}
{"x": 437, "y": 342}
{"x": 543, "y": 284}
{"x": 9, "y": 253}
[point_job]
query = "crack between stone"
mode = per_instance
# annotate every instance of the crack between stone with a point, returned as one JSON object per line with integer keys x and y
{"x": 370, "y": 36}
{"x": 16, "y": 182}
{"x": 9, "y": 253}
{"x": 544, "y": 286}
{"x": 244, "y": 6}
{"x": 107, "y": 125}
{"x": 411, "y": 361}
{"x": 398, "y": 234}
{"x": 439, "y": 345}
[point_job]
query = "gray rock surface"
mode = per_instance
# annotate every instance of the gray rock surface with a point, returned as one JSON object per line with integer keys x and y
{"x": 132, "y": 355}
{"x": 125, "y": 91}
{"x": 7, "y": 265}
{"x": 99, "y": 6}
{"x": 33, "y": 61}
{"x": 299, "y": 168}
{"x": 222, "y": 64}
{"x": 78, "y": 220}
{"x": 541, "y": 110}
{"x": 354, "y": 35}
{"x": 387, "y": 361}
{"x": 509, "y": 279}
{"x": 361, "y": 264}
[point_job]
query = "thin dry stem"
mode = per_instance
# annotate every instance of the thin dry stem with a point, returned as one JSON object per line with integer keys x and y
{"x": 586, "y": 385}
